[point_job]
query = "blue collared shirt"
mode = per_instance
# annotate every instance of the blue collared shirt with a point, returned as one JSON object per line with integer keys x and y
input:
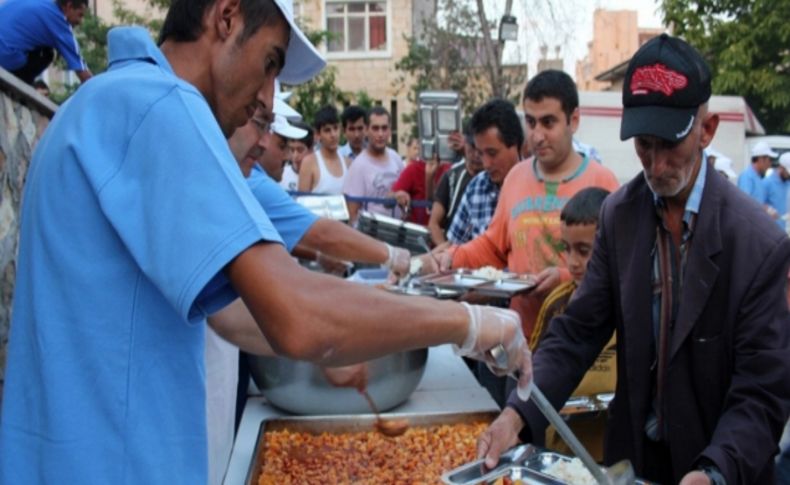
{"x": 752, "y": 183}
{"x": 476, "y": 209}
{"x": 776, "y": 195}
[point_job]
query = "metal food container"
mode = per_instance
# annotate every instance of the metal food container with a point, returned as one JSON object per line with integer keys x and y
{"x": 300, "y": 387}
{"x": 350, "y": 424}
{"x": 527, "y": 463}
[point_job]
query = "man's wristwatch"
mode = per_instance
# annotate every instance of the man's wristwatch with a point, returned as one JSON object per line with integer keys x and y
{"x": 714, "y": 474}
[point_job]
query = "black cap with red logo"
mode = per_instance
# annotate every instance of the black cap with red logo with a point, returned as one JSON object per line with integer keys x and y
{"x": 666, "y": 82}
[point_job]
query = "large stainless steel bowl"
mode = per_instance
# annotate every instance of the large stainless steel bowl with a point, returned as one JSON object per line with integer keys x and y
{"x": 300, "y": 387}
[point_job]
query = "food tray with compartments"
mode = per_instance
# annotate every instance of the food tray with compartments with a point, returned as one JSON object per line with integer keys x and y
{"x": 523, "y": 464}
{"x": 509, "y": 285}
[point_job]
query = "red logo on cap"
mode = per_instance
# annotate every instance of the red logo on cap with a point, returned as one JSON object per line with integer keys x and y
{"x": 657, "y": 78}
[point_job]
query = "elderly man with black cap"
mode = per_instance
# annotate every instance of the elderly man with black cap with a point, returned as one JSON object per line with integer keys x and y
{"x": 690, "y": 273}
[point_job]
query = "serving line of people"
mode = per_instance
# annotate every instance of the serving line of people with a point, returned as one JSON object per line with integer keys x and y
{"x": 105, "y": 378}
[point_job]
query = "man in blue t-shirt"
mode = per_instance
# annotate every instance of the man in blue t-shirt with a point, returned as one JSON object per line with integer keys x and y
{"x": 137, "y": 224}
{"x": 776, "y": 189}
{"x": 30, "y": 32}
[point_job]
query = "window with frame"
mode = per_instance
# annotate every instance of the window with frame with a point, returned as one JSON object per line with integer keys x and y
{"x": 356, "y": 26}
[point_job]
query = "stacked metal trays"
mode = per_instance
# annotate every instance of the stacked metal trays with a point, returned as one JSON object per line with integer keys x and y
{"x": 350, "y": 423}
{"x": 526, "y": 463}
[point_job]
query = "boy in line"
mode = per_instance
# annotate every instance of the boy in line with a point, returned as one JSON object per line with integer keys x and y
{"x": 578, "y": 223}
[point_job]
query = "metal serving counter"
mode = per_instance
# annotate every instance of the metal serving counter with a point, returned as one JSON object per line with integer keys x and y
{"x": 447, "y": 385}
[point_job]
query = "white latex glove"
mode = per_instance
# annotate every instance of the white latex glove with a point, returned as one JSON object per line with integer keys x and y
{"x": 398, "y": 261}
{"x": 496, "y": 338}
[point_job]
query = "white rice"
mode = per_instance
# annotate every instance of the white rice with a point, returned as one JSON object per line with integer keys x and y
{"x": 572, "y": 472}
{"x": 488, "y": 272}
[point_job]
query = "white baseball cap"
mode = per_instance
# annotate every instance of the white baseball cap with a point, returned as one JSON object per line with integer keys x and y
{"x": 761, "y": 149}
{"x": 724, "y": 164}
{"x": 284, "y": 109}
{"x": 302, "y": 60}
{"x": 784, "y": 160}
{"x": 285, "y": 129}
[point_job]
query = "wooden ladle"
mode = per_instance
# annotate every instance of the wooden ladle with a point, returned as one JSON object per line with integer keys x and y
{"x": 390, "y": 427}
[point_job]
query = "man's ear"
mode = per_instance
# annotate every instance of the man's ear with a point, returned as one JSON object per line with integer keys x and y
{"x": 709, "y": 126}
{"x": 574, "y": 120}
{"x": 226, "y": 17}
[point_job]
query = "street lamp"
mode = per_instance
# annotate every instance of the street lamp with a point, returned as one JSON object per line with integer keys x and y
{"x": 508, "y": 28}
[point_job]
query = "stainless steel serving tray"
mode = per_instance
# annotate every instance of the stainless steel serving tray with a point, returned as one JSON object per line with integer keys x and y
{"x": 350, "y": 423}
{"x": 506, "y": 288}
{"x": 527, "y": 463}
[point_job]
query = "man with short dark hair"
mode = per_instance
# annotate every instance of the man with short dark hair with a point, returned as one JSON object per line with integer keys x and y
{"x": 498, "y": 139}
{"x": 451, "y": 189}
{"x": 298, "y": 148}
{"x": 105, "y": 378}
{"x": 30, "y": 31}
{"x": 691, "y": 274}
{"x": 325, "y": 170}
{"x": 355, "y": 123}
{"x": 376, "y": 169}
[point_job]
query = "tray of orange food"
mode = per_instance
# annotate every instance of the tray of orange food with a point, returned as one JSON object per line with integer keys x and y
{"x": 348, "y": 448}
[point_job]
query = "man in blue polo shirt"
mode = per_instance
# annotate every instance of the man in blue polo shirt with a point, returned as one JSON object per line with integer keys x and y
{"x": 137, "y": 224}
{"x": 776, "y": 189}
{"x": 30, "y": 31}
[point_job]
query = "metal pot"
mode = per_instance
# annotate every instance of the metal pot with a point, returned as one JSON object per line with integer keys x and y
{"x": 300, "y": 387}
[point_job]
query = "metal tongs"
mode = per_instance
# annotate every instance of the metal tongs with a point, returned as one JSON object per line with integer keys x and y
{"x": 621, "y": 473}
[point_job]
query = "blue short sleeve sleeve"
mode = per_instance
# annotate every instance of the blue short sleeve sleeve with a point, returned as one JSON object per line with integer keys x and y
{"x": 193, "y": 212}
{"x": 290, "y": 219}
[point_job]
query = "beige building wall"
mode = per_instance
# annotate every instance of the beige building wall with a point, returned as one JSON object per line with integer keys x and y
{"x": 373, "y": 73}
{"x": 104, "y": 9}
{"x": 615, "y": 39}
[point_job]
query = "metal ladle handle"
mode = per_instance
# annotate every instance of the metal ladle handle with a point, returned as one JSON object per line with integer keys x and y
{"x": 498, "y": 353}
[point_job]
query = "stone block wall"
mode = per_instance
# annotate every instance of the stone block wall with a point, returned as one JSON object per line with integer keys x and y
{"x": 24, "y": 115}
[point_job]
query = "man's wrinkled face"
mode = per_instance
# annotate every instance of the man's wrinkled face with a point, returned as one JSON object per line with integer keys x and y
{"x": 243, "y": 72}
{"x": 74, "y": 14}
{"x": 298, "y": 151}
{"x": 549, "y": 130}
{"x": 497, "y": 157}
{"x": 669, "y": 166}
{"x": 274, "y": 156}
{"x": 378, "y": 133}
{"x": 354, "y": 132}
{"x": 329, "y": 136}
{"x": 248, "y": 143}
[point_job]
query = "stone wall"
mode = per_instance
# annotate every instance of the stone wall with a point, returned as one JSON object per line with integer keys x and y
{"x": 24, "y": 115}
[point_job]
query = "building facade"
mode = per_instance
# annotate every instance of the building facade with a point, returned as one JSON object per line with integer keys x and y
{"x": 616, "y": 36}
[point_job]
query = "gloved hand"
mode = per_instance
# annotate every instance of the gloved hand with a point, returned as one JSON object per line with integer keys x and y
{"x": 496, "y": 338}
{"x": 398, "y": 261}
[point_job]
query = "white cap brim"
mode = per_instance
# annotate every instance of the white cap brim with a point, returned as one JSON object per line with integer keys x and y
{"x": 784, "y": 160}
{"x": 302, "y": 61}
{"x": 284, "y": 109}
{"x": 285, "y": 129}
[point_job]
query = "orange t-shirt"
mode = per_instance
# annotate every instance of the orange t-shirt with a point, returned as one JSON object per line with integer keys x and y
{"x": 524, "y": 234}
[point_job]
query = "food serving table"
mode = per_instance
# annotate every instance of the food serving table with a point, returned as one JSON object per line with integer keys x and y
{"x": 447, "y": 385}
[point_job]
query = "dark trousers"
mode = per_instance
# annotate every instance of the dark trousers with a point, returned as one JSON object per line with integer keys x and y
{"x": 37, "y": 60}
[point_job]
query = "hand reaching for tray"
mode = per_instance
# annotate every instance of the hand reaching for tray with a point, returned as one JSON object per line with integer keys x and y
{"x": 500, "y": 436}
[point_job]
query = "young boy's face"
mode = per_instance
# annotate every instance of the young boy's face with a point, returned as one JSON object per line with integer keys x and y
{"x": 578, "y": 241}
{"x": 329, "y": 135}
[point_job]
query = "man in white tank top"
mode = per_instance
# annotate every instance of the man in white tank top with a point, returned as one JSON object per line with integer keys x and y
{"x": 324, "y": 172}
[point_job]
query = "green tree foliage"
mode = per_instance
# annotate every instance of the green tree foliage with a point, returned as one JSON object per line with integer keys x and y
{"x": 747, "y": 44}
{"x": 451, "y": 56}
